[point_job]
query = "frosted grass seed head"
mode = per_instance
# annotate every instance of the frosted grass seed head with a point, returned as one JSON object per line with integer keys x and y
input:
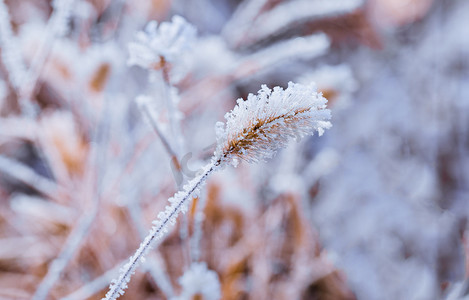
{"x": 257, "y": 127}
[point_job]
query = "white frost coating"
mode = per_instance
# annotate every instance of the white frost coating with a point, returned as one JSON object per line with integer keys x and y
{"x": 265, "y": 122}
{"x": 169, "y": 40}
{"x": 167, "y": 217}
{"x": 199, "y": 280}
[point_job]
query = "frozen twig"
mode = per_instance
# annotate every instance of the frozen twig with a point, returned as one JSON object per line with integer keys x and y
{"x": 150, "y": 116}
{"x": 160, "y": 227}
{"x": 154, "y": 265}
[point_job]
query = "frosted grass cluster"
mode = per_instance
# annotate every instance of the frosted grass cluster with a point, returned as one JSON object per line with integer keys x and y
{"x": 255, "y": 129}
{"x": 167, "y": 42}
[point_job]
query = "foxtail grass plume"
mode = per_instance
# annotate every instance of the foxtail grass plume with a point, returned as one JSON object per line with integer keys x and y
{"x": 265, "y": 122}
{"x": 255, "y": 129}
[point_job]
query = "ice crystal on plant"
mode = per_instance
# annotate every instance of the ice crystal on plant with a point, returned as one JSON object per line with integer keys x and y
{"x": 265, "y": 122}
{"x": 199, "y": 280}
{"x": 167, "y": 42}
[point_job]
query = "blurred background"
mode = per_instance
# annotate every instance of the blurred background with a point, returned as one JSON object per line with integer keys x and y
{"x": 376, "y": 208}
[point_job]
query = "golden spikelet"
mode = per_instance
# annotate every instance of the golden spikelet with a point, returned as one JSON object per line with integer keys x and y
{"x": 257, "y": 127}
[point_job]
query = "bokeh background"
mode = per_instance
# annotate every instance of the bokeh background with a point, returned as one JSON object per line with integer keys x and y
{"x": 376, "y": 208}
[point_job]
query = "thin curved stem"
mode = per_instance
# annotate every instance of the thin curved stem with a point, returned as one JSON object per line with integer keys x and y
{"x": 159, "y": 229}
